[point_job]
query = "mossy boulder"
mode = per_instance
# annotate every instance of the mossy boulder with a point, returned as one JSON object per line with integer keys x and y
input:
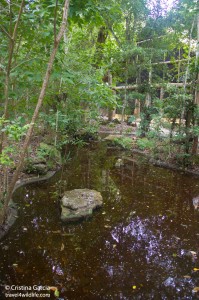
{"x": 36, "y": 166}
{"x": 79, "y": 204}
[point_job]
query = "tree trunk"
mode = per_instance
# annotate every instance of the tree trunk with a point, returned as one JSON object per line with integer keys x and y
{"x": 196, "y": 100}
{"x": 111, "y": 112}
{"x": 38, "y": 106}
{"x": 137, "y": 109}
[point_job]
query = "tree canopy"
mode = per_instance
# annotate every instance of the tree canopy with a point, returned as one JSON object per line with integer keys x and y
{"x": 114, "y": 55}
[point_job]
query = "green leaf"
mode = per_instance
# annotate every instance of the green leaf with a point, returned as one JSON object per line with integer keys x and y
{"x": 56, "y": 293}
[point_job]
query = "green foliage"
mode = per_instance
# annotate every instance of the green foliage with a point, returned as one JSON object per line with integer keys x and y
{"x": 6, "y": 157}
{"x": 146, "y": 117}
{"x": 123, "y": 142}
{"x": 49, "y": 153}
{"x": 32, "y": 168}
{"x": 145, "y": 144}
{"x": 175, "y": 102}
{"x": 15, "y": 131}
{"x": 183, "y": 159}
{"x": 55, "y": 119}
{"x": 156, "y": 127}
{"x": 131, "y": 119}
{"x": 137, "y": 34}
{"x": 195, "y": 130}
{"x": 2, "y": 122}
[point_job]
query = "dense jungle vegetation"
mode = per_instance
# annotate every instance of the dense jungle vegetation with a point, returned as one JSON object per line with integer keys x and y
{"x": 65, "y": 65}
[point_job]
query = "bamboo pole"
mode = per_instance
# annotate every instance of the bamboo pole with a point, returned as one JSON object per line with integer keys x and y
{"x": 156, "y": 85}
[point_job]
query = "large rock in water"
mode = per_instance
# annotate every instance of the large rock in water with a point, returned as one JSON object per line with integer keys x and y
{"x": 79, "y": 203}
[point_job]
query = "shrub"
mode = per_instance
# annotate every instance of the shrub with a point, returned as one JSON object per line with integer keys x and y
{"x": 123, "y": 142}
{"x": 145, "y": 143}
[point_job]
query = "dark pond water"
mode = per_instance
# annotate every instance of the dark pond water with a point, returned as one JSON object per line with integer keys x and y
{"x": 136, "y": 247}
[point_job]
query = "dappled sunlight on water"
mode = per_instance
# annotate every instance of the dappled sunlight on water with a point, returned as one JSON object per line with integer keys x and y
{"x": 142, "y": 244}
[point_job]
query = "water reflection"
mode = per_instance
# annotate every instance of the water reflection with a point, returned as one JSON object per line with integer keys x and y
{"x": 140, "y": 245}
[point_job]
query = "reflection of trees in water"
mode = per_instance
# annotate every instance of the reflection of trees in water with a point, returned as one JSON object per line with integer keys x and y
{"x": 146, "y": 250}
{"x": 150, "y": 242}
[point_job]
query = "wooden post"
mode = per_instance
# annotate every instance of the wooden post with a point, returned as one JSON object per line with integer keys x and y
{"x": 137, "y": 109}
{"x": 111, "y": 112}
{"x": 148, "y": 95}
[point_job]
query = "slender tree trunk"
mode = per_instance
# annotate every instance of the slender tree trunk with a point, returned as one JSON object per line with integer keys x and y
{"x": 179, "y": 64}
{"x": 163, "y": 78}
{"x": 196, "y": 100}
{"x": 38, "y": 106}
{"x": 148, "y": 95}
{"x": 125, "y": 97}
{"x": 172, "y": 128}
{"x": 111, "y": 111}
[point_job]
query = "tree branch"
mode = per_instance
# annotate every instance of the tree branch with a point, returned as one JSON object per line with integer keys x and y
{"x": 170, "y": 61}
{"x": 55, "y": 21}
{"x": 23, "y": 62}
{"x": 3, "y": 29}
{"x": 148, "y": 40}
{"x": 115, "y": 36}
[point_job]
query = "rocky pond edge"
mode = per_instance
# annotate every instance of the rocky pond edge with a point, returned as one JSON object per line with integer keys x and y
{"x": 13, "y": 210}
{"x": 165, "y": 165}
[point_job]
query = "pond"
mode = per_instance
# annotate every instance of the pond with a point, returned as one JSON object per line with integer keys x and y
{"x": 142, "y": 244}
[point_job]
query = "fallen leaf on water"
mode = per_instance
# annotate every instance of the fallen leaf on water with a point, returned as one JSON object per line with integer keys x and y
{"x": 187, "y": 276}
{"x": 114, "y": 245}
{"x": 196, "y": 269}
{"x": 67, "y": 234}
{"x": 103, "y": 213}
{"x": 107, "y": 226}
{"x": 183, "y": 225}
{"x": 52, "y": 288}
{"x": 176, "y": 237}
{"x": 196, "y": 289}
{"x": 62, "y": 247}
{"x": 134, "y": 287}
{"x": 55, "y": 290}
{"x": 56, "y": 293}
{"x": 15, "y": 265}
{"x": 77, "y": 249}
